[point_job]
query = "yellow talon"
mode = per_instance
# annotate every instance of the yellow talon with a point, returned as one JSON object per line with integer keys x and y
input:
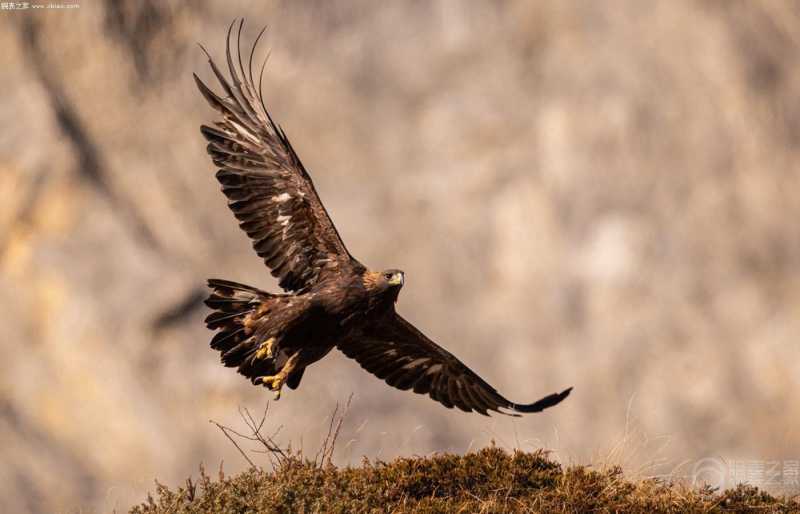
{"x": 274, "y": 382}
{"x": 265, "y": 350}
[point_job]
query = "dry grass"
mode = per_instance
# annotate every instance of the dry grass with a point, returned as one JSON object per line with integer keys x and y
{"x": 490, "y": 480}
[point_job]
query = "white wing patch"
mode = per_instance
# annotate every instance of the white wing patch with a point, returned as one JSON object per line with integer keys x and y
{"x": 416, "y": 362}
{"x": 434, "y": 369}
{"x": 243, "y": 131}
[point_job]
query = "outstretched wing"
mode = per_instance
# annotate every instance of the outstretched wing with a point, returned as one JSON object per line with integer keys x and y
{"x": 268, "y": 189}
{"x": 394, "y": 350}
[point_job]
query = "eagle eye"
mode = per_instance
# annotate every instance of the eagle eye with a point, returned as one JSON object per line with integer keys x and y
{"x": 387, "y": 275}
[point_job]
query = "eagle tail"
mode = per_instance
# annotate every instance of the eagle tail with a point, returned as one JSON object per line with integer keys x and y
{"x": 238, "y": 310}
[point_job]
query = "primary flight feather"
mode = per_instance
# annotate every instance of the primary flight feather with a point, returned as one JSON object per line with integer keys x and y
{"x": 331, "y": 300}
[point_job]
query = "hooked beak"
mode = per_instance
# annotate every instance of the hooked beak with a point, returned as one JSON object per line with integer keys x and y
{"x": 397, "y": 279}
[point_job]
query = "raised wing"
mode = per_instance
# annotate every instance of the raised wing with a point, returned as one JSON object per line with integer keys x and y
{"x": 268, "y": 189}
{"x": 394, "y": 350}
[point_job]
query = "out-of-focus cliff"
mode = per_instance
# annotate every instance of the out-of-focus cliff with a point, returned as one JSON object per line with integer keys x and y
{"x": 601, "y": 195}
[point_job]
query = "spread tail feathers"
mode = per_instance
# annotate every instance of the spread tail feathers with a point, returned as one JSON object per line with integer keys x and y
{"x": 238, "y": 311}
{"x": 251, "y": 325}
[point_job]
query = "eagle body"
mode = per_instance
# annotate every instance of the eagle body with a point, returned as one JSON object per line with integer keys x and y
{"x": 330, "y": 299}
{"x": 306, "y": 324}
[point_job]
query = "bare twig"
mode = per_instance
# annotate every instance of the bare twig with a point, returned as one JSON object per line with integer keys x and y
{"x": 191, "y": 489}
{"x": 280, "y": 456}
{"x": 339, "y": 428}
{"x": 329, "y": 444}
{"x": 267, "y": 441}
{"x": 324, "y": 448}
{"x": 225, "y": 431}
{"x": 256, "y": 435}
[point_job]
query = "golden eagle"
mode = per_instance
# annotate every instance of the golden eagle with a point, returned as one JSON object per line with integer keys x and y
{"x": 331, "y": 299}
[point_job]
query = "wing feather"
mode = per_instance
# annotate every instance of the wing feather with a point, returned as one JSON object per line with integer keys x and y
{"x": 392, "y": 349}
{"x": 268, "y": 189}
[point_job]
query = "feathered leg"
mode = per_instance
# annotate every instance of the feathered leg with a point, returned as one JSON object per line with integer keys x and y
{"x": 265, "y": 350}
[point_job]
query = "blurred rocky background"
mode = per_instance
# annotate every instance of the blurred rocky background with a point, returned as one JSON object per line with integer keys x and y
{"x": 596, "y": 194}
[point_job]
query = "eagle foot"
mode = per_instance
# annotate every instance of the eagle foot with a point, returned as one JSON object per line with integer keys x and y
{"x": 273, "y": 382}
{"x": 265, "y": 350}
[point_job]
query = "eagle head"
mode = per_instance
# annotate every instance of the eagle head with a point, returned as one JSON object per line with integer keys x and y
{"x": 393, "y": 278}
{"x": 381, "y": 283}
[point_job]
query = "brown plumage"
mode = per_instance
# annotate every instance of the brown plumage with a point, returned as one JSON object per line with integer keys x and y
{"x": 331, "y": 299}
